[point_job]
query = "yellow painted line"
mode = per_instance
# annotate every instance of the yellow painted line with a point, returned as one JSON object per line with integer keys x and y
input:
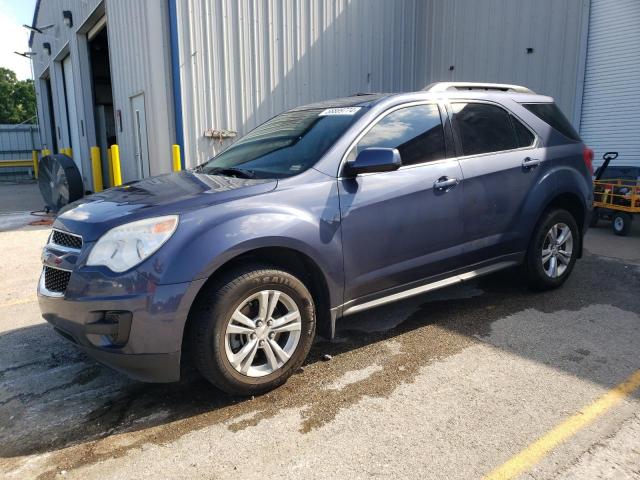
{"x": 531, "y": 455}
{"x": 20, "y": 301}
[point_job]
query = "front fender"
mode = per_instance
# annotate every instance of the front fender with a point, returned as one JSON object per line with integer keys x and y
{"x": 208, "y": 238}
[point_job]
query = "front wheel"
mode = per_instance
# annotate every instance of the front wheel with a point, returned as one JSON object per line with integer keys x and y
{"x": 553, "y": 250}
{"x": 252, "y": 329}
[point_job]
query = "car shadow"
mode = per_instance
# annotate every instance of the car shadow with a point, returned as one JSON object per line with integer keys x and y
{"x": 53, "y": 396}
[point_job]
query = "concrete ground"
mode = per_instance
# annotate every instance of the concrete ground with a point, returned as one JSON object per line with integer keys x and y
{"x": 17, "y": 202}
{"x": 19, "y": 198}
{"x": 447, "y": 385}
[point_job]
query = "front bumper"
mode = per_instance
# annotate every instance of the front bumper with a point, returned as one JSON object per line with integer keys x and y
{"x": 137, "y": 332}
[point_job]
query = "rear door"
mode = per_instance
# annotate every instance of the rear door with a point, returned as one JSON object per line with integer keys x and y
{"x": 400, "y": 227}
{"x": 501, "y": 163}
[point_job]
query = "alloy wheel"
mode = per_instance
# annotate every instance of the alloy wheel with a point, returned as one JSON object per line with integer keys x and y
{"x": 263, "y": 333}
{"x": 557, "y": 249}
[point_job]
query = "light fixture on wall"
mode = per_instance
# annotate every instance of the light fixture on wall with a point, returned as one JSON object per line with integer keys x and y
{"x": 46, "y": 46}
{"x": 25, "y": 54}
{"x": 68, "y": 18}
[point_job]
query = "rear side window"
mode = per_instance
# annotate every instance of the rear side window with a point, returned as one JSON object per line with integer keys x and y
{"x": 483, "y": 128}
{"x": 415, "y": 131}
{"x": 550, "y": 113}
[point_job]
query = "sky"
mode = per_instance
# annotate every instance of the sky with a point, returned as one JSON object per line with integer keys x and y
{"x": 14, "y": 37}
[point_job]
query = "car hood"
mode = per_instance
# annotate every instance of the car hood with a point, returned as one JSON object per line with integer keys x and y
{"x": 169, "y": 194}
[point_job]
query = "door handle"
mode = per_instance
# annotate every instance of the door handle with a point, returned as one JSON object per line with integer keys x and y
{"x": 445, "y": 183}
{"x": 531, "y": 162}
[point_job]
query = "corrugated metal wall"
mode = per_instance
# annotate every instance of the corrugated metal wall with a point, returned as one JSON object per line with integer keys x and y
{"x": 245, "y": 61}
{"x": 18, "y": 141}
{"x": 487, "y": 41}
{"x": 611, "y": 105}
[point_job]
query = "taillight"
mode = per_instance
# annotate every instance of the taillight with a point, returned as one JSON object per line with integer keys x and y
{"x": 587, "y": 156}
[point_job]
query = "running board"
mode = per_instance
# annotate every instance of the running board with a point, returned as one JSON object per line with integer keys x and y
{"x": 463, "y": 277}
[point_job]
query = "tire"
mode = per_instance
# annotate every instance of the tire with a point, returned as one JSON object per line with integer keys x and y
{"x": 595, "y": 218}
{"x": 541, "y": 275}
{"x": 621, "y": 224}
{"x": 235, "y": 345}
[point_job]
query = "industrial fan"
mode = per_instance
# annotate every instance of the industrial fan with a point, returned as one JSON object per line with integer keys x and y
{"x": 59, "y": 181}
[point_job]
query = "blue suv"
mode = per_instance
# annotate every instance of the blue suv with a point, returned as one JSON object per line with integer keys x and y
{"x": 321, "y": 212}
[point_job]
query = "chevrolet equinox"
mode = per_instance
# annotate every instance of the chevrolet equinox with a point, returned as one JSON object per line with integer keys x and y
{"x": 323, "y": 211}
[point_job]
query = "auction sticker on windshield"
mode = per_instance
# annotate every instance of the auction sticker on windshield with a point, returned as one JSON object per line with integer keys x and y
{"x": 339, "y": 111}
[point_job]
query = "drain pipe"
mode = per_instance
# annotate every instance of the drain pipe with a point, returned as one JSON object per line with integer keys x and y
{"x": 175, "y": 73}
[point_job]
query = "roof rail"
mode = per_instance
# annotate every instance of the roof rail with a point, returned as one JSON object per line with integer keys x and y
{"x": 501, "y": 87}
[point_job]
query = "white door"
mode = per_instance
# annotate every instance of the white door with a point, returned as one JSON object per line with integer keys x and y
{"x": 611, "y": 103}
{"x": 141, "y": 149}
{"x": 69, "y": 90}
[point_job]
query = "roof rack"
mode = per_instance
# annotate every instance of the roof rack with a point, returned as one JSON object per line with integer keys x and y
{"x": 500, "y": 87}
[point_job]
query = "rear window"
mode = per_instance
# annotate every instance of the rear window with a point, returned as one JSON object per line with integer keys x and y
{"x": 550, "y": 113}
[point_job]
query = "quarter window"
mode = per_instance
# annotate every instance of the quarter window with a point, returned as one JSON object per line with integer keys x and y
{"x": 415, "y": 131}
{"x": 483, "y": 128}
{"x": 550, "y": 113}
{"x": 525, "y": 137}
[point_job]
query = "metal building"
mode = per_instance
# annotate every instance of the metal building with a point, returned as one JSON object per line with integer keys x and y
{"x": 146, "y": 74}
{"x": 611, "y": 106}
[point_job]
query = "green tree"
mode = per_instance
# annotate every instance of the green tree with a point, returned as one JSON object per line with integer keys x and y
{"x": 17, "y": 98}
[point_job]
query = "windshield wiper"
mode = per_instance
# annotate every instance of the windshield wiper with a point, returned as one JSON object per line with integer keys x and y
{"x": 232, "y": 172}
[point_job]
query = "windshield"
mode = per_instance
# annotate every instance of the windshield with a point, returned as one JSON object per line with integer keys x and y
{"x": 284, "y": 146}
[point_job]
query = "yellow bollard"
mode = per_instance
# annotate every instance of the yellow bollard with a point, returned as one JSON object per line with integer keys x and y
{"x": 115, "y": 159}
{"x": 110, "y": 167}
{"x": 34, "y": 158}
{"x": 69, "y": 152}
{"x": 96, "y": 169}
{"x": 46, "y": 152}
{"x": 175, "y": 153}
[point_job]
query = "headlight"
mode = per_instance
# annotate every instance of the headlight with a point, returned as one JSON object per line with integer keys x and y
{"x": 124, "y": 247}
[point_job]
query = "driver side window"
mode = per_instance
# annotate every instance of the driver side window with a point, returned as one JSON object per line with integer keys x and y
{"x": 416, "y": 132}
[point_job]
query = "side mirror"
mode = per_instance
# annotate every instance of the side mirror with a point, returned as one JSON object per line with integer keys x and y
{"x": 374, "y": 160}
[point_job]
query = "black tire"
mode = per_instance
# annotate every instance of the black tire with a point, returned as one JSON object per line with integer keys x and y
{"x": 595, "y": 218}
{"x": 212, "y": 313}
{"x": 537, "y": 277}
{"x": 621, "y": 223}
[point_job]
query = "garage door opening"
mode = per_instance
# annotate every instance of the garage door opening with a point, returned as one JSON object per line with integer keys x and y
{"x": 98, "y": 41}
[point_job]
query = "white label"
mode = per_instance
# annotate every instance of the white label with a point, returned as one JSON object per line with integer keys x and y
{"x": 339, "y": 111}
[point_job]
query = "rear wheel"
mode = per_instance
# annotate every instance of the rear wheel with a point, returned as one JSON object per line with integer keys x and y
{"x": 252, "y": 329}
{"x": 621, "y": 223}
{"x": 553, "y": 250}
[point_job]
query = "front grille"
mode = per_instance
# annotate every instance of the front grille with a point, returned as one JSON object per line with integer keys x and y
{"x": 56, "y": 280}
{"x": 66, "y": 239}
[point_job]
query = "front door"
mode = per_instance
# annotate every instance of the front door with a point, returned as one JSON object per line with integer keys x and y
{"x": 141, "y": 147}
{"x": 400, "y": 227}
